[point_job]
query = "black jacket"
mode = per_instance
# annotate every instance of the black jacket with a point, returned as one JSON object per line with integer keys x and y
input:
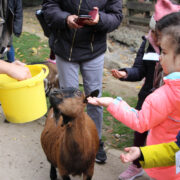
{"x": 85, "y": 43}
{"x": 11, "y": 13}
{"x": 15, "y": 7}
{"x": 142, "y": 69}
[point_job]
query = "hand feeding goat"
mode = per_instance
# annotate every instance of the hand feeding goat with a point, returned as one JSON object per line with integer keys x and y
{"x": 69, "y": 139}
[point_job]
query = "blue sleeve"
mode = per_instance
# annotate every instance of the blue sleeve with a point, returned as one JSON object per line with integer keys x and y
{"x": 137, "y": 71}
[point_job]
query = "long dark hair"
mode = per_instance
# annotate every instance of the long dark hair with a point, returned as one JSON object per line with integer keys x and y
{"x": 174, "y": 33}
{"x": 168, "y": 20}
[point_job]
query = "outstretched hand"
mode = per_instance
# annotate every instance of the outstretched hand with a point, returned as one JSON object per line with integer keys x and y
{"x": 102, "y": 101}
{"x": 118, "y": 74}
{"x": 132, "y": 154}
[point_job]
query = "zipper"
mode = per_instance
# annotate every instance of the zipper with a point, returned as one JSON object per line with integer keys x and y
{"x": 74, "y": 33}
{"x": 92, "y": 40}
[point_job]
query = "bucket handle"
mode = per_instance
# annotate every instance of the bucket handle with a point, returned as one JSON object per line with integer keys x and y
{"x": 45, "y": 68}
{"x": 46, "y": 72}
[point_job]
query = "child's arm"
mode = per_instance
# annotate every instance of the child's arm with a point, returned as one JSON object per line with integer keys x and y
{"x": 118, "y": 74}
{"x": 137, "y": 71}
{"x": 158, "y": 155}
{"x": 155, "y": 110}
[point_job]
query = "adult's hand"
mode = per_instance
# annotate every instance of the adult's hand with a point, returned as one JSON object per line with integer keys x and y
{"x": 71, "y": 22}
{"x": 95, "y": 21}
{"x": 19, "y": 72}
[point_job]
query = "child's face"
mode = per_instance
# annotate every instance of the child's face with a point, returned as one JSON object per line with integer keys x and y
{"x": 154, "y": 36}
{"x": 158, "y": 35}
{"x": 168, "y": 59}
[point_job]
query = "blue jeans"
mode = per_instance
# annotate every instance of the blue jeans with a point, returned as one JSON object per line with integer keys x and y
{"x": 11, "y": 54}
{"x": 92, "y": 74}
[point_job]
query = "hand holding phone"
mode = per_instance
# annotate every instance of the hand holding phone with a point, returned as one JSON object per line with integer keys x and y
{"x": 81, "y": 18}
{"x": 91, "y": 19}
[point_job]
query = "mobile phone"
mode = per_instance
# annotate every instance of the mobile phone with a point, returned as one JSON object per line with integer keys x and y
{"x": 82, "y": 18}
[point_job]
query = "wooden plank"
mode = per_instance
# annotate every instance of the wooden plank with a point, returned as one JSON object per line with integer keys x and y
{"x": 140, "y": 6}
{"x": 141, "y": 28}
{"x": 139, "y": 20}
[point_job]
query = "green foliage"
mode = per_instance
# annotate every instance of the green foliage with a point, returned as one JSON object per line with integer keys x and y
{"x": 29, "y": 48}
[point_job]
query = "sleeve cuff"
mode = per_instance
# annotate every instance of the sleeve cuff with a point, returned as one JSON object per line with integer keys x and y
{"x": 117, "y": 100}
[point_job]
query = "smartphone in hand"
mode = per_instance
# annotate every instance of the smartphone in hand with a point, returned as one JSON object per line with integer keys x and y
{"x": 82, "y": 18}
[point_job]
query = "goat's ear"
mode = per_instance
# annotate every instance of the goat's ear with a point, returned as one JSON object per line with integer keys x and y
{"x": 95, "y": 93}
{"x": 54, "y": 101}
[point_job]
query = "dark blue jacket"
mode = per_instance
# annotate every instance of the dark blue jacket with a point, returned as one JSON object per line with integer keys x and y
{"x": 15, "y": 7}
{"x": 85, "y": 43}
{"x": 142, "y": 69}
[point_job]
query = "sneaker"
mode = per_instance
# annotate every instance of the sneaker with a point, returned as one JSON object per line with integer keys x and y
{"x": 131, "y": 173}
{"x": 101, "y": 154}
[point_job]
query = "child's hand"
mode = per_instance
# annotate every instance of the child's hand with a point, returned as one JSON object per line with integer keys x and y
{"x": 133, "y": 154}
{"x": 103, "y": 101}
{"x": 118, "y": 74}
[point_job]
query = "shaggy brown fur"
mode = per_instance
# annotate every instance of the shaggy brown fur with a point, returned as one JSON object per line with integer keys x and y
{"x": 52, "y": 78}
{"x": 69, "y": 139}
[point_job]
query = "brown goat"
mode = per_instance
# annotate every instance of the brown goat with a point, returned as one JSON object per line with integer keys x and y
{"x": 69, "y": 139}
{"x": 52, "y": 80}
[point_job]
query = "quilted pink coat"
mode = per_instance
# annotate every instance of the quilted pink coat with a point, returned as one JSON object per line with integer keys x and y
{"x": 160, "y": 114}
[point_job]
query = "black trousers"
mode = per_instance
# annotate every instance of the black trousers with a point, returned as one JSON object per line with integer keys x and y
{"x": 139, "y": 138}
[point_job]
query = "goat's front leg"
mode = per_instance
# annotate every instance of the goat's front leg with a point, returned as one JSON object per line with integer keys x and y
{"x": 66, "y": 177}
{"x": 63, "y": 173}
{"x": 86, "y": 177}
{"x": 53, "y": 174}
{"x": 89, "y": 173}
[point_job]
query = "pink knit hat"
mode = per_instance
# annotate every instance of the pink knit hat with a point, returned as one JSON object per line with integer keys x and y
{"x": 163, "y": 8}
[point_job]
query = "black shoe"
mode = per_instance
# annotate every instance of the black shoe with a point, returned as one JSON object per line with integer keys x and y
{"x": 6, "y": 121}
{"x": 101, "y": 155}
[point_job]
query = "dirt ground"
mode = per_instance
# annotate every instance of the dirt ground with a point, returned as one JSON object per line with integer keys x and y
{"x": 21, "y": 155}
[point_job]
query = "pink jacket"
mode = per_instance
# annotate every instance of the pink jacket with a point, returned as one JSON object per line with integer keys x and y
{"x": 160, "y": 114}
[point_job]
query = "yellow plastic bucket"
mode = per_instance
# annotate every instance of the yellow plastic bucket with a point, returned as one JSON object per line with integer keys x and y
{"x": 24, "y": 101}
